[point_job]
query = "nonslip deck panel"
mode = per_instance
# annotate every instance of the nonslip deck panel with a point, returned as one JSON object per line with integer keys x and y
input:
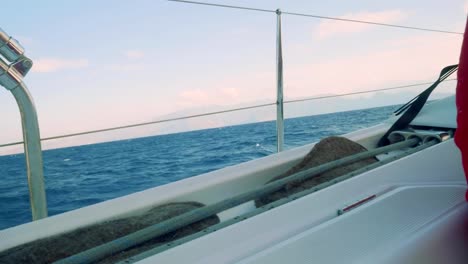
{"x": 367, "y": 233}
{"x": 444, "y": 240}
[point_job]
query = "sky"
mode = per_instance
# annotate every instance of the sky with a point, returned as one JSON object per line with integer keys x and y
{"x": 99, "y": 64}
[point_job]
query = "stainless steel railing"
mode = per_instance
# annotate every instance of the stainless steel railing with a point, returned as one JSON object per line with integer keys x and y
{"x": 279, "y": 85}
{"x": 13, "y": 67}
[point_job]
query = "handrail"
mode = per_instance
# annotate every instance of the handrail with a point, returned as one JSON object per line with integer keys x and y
{"x": 97, "y": 253}
{"x": 163, "y": 247}
{"x": 13, "y": 67}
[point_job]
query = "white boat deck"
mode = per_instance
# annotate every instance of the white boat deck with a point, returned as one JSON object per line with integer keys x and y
{"x": 371, "y": 233}
{"x": 414, "y": 197}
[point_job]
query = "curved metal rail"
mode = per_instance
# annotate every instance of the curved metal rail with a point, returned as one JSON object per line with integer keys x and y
{"x": 13, "y": 67}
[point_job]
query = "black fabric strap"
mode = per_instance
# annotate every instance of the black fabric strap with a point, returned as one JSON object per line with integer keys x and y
{"x": 414, "y": 106}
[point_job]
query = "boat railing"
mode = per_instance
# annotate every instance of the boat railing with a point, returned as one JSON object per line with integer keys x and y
{"x": 225, "y": 111}
{"x": 14, "y": 65}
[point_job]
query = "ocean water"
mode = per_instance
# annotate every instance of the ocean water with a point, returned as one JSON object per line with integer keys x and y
{"x": 80, "y": 176}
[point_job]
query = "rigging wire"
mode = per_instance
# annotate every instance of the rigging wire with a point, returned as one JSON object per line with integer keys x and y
{"x": 143, "y": 124}
{"x": 261, "y": 105}
{"x": 319, "y": 17}
{"x": 218, "y": 112}
{"x": 373, "y": 23}
{"x": 361, "y": 92}
{"x": 225, "y": 6}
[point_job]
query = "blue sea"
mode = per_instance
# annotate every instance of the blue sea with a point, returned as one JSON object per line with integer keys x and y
{"x": 84, "y": 175}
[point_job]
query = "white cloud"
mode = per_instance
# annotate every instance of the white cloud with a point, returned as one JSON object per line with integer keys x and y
{"x": 329, "y": 28}
{"x": 57, "y": 64}
{"x": 134, "y": 54}
{"x": 465, "y": 7}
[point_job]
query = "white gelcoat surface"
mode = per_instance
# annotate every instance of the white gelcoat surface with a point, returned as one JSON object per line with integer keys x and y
{"x": 366, "y": 233}
{"x": 444, "y": 240}
{"x": 438, "y": 165}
